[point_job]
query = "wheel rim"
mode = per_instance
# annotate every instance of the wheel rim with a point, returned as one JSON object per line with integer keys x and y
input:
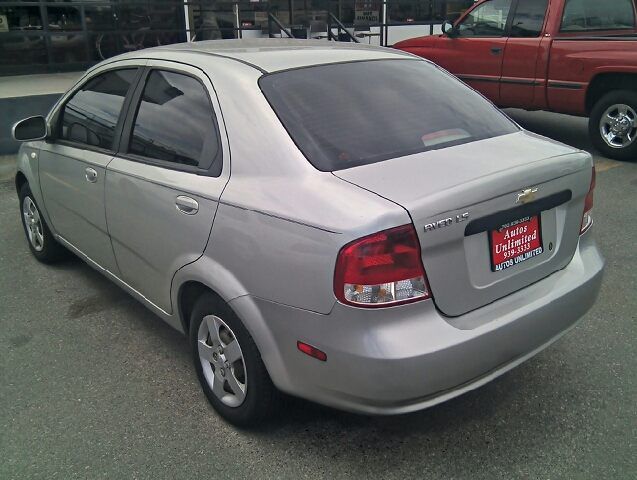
{"x": 618, "y": 126}
{"x": 33, "y": 224}
{"x": 222, "y": 361}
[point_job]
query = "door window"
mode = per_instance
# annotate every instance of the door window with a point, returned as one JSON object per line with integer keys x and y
{"x": 486, "y": 20}
{"x": 590, "y": 15}
{"x": 529, "y": 19}
{"x": 175, "y": 123}
{"x": 90, "y": 116}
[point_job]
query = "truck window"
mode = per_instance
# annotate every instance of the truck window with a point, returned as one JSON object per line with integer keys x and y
{"x": 486, "y": 20}
{"x": 529, "y": 19}
{"x": 591, "y": 15}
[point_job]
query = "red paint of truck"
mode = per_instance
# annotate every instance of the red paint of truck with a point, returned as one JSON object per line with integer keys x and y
{"x": 577, "y": 57}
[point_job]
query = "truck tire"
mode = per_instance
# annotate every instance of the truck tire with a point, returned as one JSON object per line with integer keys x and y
{"x": 612, "y": 125}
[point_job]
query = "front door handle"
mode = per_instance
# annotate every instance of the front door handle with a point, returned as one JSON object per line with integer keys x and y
{"x": 186, "y": 205}
{"x": 496, "y": 51}
{"x": 91, "y": 175}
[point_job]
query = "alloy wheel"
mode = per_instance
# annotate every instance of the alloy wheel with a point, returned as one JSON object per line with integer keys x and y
{"x": 222, "y": 361}
{"x": 618, "y": 126}
{"x": 33, "y": 224}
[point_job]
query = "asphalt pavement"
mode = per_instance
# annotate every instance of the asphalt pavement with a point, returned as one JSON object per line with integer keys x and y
{"x": 93, "y": 385}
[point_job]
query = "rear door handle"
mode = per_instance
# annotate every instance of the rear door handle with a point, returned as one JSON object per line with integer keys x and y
{"x": 187, "y": 205}
{"x": 496, "y": 51}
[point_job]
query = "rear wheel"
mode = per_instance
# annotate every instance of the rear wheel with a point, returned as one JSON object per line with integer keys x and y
{"x": 229, "y": 365}
{"x": 612, "y": 125}
{"x": 41, "y": 242}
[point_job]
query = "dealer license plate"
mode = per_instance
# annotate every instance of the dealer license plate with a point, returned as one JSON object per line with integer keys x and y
{"x": 515, "y": 242}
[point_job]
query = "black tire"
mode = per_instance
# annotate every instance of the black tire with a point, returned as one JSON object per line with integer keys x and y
{"x": 612, "y": 125}
{"x": 41, "y": 242}
{"x": 260, "y": 399}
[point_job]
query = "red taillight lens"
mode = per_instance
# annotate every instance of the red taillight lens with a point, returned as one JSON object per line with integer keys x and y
{"x": 381, "y": 270}
{"x": 587, "y": 217}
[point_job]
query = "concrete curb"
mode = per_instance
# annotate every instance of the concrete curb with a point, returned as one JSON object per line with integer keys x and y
{"x": 38, "y": 84}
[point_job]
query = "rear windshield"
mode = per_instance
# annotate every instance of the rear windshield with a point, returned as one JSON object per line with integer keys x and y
{"x": 350, "y": 114}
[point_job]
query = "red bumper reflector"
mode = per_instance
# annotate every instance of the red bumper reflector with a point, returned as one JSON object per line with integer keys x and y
{"x": 311, "y": 351}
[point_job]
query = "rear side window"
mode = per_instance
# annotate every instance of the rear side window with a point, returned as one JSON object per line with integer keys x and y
{"x": 350, "y": 114}
{"x": 175, "y": 123}
{"x": 591, "y": 15}
{"x": 90, "y": 116}
{"x": 529, "y": 19}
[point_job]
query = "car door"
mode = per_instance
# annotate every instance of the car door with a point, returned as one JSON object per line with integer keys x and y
{"x": 163, "y": 187}
{"x": 73, "y": 164}
{"x": 521, "y": 54}
{"x": 474, "y": 52}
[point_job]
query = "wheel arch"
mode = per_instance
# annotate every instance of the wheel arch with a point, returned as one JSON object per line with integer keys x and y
{"x": 189, "y": 293}
{"x": 250, "y": 315}
{"x": 20, "y": 181}
{"x": 603, "y": 83}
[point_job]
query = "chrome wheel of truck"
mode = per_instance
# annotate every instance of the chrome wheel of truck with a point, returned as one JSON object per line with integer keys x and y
{"x": 613, "y": 125}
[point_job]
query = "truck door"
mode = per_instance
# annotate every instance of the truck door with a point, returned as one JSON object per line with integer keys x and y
{"x": 520, "y": 65}
{"x": 475, "y": 52}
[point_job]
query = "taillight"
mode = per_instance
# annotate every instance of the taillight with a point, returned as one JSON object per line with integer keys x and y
{"x": 381, "y": 270}
{"x": 587, "y": 217}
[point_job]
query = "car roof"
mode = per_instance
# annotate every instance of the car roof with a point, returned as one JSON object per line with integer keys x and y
{"x": 272, "y": 55}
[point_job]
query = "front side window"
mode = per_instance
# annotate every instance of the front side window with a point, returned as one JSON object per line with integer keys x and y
{"x": 529, "y": 19}
{"x": 90, "y": 116}
{"x": 175, "y": 123}
{"x": 591, "y": 15}
{"x": 486, "y": 20}
{"x": 357, "y": 113}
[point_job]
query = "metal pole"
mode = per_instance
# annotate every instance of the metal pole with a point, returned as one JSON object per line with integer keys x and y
{"x": 187, "y": 17}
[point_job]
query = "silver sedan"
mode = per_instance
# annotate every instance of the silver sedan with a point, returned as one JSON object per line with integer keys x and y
{"x": 347, "y": 224}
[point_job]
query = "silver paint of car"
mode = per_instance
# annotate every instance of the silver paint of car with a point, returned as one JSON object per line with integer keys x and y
{"x": 151, "y": 238}
{"x": 482, "y": 178}
{"x": 406, "y": 358}
{"x": 283, "y": 54}
{"x": 392, "y": 337}
{"x": 277, "y": 209}
{"x": 75, "y": 204}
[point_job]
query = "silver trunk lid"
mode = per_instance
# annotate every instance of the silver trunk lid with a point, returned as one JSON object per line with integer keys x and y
{"x": 457, "y": 195}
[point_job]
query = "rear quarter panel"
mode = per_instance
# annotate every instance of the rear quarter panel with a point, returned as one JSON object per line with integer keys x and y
{"x": 280, "y": 222}
{"x": 575, "y": 62}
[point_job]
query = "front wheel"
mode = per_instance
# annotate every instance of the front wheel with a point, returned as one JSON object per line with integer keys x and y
{"x": 229, "y": 365}
{"x": 41, "y": 242}
{"x": 612, "y": 125}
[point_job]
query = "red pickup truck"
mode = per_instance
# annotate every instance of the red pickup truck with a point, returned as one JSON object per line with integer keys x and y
{"x": 570, "y": 56}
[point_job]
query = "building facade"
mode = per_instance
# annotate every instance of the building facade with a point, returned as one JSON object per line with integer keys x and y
{"x": 41, "y": 36}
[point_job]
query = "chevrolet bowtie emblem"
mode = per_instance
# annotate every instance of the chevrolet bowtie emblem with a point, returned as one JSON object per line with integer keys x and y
{"x": 526, "y": 196}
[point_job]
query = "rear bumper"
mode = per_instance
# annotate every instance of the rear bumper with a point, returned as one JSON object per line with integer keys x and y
{"x": 410, "y": 357}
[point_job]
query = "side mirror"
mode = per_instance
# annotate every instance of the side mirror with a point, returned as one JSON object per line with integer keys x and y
{"x": 447, "y": 27}
{"x": 30, "y": 129}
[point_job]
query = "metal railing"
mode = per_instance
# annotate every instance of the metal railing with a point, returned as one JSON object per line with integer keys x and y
{"x": 47, "y": 35}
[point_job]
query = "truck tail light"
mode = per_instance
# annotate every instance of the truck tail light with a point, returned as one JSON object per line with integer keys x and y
{"x": 381, "y": 270}
{"x": 587, "y": 217}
